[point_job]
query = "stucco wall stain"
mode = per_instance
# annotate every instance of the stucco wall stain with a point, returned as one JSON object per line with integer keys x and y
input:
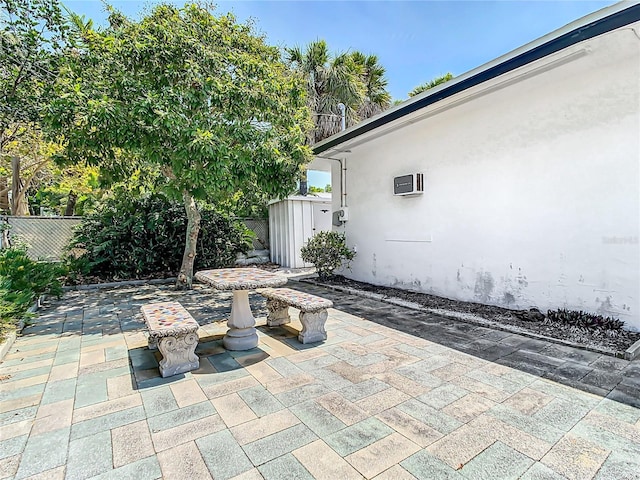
{"x": 522, "y": 279}
{"x": 483, "y": 286}
{"x": 604, "y": 306}
{"x": 508, "y": 298}
{"x": 374, "y": 265}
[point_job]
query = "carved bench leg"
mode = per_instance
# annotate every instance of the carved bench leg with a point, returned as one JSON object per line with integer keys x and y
{"x": 153, "y": 342}
{"x": 278, "y": 312}
{"x": 313, "y": 326}
{"x": 178, "y": 354}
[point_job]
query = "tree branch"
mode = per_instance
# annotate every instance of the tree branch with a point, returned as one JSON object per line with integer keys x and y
{"x": 39, "y": 166}
{"x": 5, "y": 139}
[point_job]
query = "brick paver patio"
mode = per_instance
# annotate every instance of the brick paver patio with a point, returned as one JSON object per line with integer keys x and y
{"x": 81, "y": 397}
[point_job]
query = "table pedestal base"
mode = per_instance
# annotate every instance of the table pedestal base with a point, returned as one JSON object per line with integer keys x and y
{"x": 241, "y": 339}
{"x": 242, "y": 334}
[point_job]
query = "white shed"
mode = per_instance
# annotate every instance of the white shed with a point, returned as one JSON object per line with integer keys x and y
{"x": 292, "y": 222}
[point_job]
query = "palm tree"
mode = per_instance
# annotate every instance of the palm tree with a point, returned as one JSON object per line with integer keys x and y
{"x": 377, "y": 98}
{"x": 330, "y": 81}
{"x": 428, "y": 85}
{"x": 353, "y": 79}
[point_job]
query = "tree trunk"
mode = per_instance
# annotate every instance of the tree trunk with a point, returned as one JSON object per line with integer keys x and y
{"x": 71, "y": 204}
{"x": 4, "y": 195}
{"x": 185, "y": 276}
{"x": 19, "y": 204}
{"x": 304, "y": 189}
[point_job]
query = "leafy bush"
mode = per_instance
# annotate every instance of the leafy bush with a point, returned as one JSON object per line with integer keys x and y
{"x": 141, "y": 236}
{"x": 22, "y": 281}
{"x": 327, "y": 251}
{"x": 583, "y": 320}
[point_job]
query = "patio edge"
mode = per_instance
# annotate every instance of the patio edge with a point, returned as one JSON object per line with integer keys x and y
{"x": 11, "y": 337}
{"x": 633, "y": 351}
{"x": 630, "y": 354}
{"x": 124, "y": 283}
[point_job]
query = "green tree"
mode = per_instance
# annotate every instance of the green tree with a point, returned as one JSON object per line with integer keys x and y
{"x": 377, "y": 98}
{"x": 200, "y": 98}
{"x": 430, "y": 84}
{"x": 24, "y": 161}
{"x": 353, "y": 79}
{"x": 67, "y": 190}
{"x": 33, "y": 34}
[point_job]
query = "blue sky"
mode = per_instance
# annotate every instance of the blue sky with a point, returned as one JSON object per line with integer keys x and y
{"x": 414, "y": 40}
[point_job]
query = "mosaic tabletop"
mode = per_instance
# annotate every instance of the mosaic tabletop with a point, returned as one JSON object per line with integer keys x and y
{"x": 168, "y": 316}
{"x": 300, "y": 300}
{"x": 240, "y": 278}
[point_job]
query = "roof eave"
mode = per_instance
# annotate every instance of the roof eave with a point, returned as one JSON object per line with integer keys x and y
{"x": 593, "y": 25}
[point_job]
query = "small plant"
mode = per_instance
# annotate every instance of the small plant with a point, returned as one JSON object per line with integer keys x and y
{"x": 22, "y": 281}
{"x": 583, "y": 320}
{"x": 327, "y": 251}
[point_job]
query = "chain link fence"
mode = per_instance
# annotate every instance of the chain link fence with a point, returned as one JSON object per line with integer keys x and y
{"x": 261, "y": 228}
{"x": 46, "y": 237}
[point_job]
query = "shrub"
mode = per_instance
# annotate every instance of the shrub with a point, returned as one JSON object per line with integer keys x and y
{"x": 143, "y": 236}
{"x": 583, "y": 320}
{"x": 22, "y": 281}
{"x": 327, "y": 251}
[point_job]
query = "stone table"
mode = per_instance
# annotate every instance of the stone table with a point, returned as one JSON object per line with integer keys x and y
{"x": 242, "y": 333}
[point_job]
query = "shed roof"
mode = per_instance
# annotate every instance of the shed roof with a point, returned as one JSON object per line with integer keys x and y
{"x": 597, "y": 23}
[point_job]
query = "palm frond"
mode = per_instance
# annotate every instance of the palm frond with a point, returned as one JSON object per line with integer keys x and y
{"x": 353, "y": 79}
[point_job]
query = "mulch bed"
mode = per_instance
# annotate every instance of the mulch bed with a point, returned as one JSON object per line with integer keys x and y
{"x": 532, "y": 321}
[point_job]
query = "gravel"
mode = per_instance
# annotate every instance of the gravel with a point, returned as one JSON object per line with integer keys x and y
{"x": 532, "y": 320}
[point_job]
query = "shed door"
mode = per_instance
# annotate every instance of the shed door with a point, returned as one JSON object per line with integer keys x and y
{"x": 321, "y": 217}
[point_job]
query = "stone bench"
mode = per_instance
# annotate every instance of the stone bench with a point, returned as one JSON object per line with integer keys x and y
{"x": 313, "y": 311}
{"x": 174, "y": 332}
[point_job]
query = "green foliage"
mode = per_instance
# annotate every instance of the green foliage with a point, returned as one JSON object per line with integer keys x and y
{"x": 53, "y": 191}
{"x": 327, "y": 188}
{"x": 327, "y": 251}
{"x": 200, "y": 97}
{"x": 351, "y": 78}
{"x": 32, "y": 36}
{"x": 431, "y": 84}
{"x": 22, "y": 281}
{"x": 245, "y": 204}
{"x": 583, "y": 320}
{"x": 137, "y": 237}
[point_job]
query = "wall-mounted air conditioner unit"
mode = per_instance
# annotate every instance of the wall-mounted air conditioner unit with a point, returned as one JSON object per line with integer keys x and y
{"x": 412, "y": 184}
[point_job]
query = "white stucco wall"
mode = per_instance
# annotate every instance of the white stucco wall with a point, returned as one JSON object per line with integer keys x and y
{"x": 532, "y": 188}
